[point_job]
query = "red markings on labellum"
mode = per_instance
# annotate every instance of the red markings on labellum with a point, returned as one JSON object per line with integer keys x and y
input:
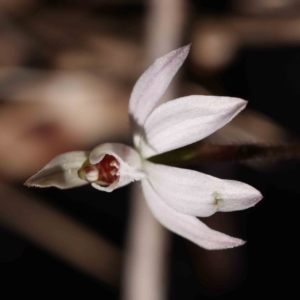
{"x": 104, "y": 172}
{"x": 108, "y": 169}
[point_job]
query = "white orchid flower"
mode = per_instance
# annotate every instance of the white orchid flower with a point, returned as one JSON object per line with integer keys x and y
{"x": 175, "y": 196}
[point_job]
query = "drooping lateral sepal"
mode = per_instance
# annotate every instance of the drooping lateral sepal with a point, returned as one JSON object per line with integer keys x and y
{"x": 187, "y": 226}
{"x": 194, "y": 193}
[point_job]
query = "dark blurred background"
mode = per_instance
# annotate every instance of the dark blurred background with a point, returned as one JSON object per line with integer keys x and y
{"x": 66, "y": 72}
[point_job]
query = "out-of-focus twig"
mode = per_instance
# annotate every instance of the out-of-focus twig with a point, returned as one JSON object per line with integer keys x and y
{"x": 217, "y": 40}
{"x": 146, "y": 260}
{"x": 145, "y": 265}
{"x": 250, "y": 127}
{"x": 267, "y": 7}
{"x": 60, "y": 235}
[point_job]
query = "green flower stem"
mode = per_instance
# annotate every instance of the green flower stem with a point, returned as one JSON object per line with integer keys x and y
{"x": 200, "y": 153}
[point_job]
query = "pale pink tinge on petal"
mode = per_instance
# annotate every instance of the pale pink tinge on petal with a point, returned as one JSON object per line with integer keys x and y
{"x": 187, "y": 226}
{"x": 151, "y": 86}
{"x": 186, "y": 120}
{"x": 194, "y": 193}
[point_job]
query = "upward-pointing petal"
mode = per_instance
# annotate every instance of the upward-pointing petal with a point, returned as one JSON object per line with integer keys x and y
{"x": 186, "y": 120}
{"x": 152, "y": 85}
{"x": 187, "y": 226}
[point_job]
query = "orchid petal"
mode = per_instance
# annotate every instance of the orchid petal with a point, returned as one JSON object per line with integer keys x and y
{"x": 60, "y": 172}
{"x": 186, "y": 120}
{"x": 187, "y": 226}
{"x": 153, "y": 83}
{"x": 198, "y": 194}
{"x": 129, "y": 164}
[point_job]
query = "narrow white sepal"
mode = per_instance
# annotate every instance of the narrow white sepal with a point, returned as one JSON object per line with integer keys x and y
{"x": 129, "y": 164}
{"x": 151, "y": 86}
{"x": 60, "y": 172}
{"x": 186, "y": 120}
{"x": 187, "y": 226}
{"x": 194, "y": 193}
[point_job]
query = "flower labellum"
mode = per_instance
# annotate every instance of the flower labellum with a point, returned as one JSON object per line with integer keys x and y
{"x": 175, "y": 196}
{"x": 104, "y": 173}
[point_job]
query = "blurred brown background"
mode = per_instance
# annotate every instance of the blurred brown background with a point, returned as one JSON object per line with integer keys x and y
{"x": 66, "y": 72}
